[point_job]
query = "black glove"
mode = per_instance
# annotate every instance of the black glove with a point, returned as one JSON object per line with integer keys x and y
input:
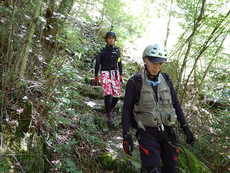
{"x": 171, "y": 135}
{"x": 189, "y": 136}
{"x": 128, "y": 144}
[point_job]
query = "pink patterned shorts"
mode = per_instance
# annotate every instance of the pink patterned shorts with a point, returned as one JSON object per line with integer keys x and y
{"x": 111, "y": 83}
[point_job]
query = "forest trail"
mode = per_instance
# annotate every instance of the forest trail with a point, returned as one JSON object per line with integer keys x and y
{"x": 113, "y": 157}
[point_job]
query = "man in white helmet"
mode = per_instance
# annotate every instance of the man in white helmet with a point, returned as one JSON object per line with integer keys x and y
{"x": 151, "y": 106}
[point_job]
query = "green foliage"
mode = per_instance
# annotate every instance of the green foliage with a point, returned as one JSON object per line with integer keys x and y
{"x": 216, "y": 155}
{"x": 70, "y": 167}
{"x": 217, "y": 88}
{"x": 200, "y": 51}
{"x": 5, "y": 165}
{"x": 220, "y": 73}
{"x": 189, "y": 163}
{"x": 131, "y": 68}
{"x": 172, "y": 68}
{"x": 109, "y": 162}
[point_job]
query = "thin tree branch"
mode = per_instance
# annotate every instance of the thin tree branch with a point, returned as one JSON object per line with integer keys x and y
{"x": 205, "y": 46}
{"x": 189, "y": 40}
{"x": 210, "y": 65}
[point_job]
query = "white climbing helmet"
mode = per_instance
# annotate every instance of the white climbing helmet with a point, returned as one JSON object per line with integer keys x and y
{"x": 155, "y": 53}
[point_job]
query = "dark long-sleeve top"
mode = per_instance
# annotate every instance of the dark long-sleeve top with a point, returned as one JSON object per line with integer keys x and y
{"x": 131, "y": 98}
{"x": 108, "y": 59}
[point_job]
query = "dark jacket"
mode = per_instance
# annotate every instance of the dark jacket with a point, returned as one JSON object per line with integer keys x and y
{"x": 132, "y": 95}
{"x": 108, "y": 59}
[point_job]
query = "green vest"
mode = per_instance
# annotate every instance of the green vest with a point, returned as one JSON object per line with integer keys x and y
{"x": 148, "y": 112}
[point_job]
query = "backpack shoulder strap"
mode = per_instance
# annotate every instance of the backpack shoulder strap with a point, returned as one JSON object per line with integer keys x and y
{"x": 137, "y": 79}
{"x": 167, "y": 79}
{"x": 169, "y": 83}
{"x": 138, "y": 83}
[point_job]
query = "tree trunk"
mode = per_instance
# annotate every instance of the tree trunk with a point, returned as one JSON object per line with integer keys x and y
{"x": 23, "y": 56}
{"x": 54, "y": 24}
{"x": 168, "y": 24}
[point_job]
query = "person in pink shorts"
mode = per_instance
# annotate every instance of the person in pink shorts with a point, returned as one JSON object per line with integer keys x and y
{"x": 108, "y": 63}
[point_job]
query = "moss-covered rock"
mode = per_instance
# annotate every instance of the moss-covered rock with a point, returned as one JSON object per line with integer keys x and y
{"x": 90, "y": 91}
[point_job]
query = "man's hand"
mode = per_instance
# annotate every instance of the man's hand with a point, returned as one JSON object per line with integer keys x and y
{"x": 128, "y": 144}
{"x": 189, "y": 136}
